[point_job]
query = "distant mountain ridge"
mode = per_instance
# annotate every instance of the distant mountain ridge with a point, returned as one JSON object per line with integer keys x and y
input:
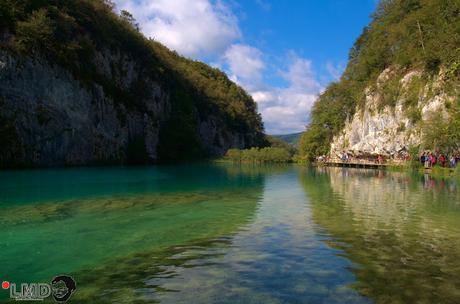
{"x": 292, "y": 139}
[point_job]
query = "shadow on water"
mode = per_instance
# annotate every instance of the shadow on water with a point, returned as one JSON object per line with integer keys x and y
{"x": 111, "y": 239}
{"x": 401, "y": 232}
{"x": 59, "y": 185}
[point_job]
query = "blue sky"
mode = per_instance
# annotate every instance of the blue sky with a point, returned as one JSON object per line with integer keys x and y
{"x": 284, "y": 53}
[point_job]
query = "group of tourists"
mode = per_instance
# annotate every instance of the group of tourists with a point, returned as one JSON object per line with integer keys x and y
{"x": 429, "y": 159}
{"x": 322, "y": 159}
{"x": 346, "y": 157}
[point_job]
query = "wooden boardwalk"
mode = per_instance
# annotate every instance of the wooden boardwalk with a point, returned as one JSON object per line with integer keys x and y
{"x": 356, "y": 164}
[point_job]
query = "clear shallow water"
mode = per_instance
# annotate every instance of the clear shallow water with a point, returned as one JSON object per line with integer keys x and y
{"x": 231, "y": 234}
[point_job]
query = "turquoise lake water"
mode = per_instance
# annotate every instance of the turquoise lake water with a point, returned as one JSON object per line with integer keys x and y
{"x": 214, "y": 233}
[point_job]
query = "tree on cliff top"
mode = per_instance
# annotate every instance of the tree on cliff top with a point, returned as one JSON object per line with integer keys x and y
{"x": 422, "y": 34}
{"x": 70, "y": 33}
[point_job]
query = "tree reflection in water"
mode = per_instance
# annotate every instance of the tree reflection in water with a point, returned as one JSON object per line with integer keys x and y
{"x": 402, "y": 232}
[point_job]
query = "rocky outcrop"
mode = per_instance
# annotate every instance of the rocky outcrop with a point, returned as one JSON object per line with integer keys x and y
{"x": 81, "y": 85}
{"x": 218, "y": 140}
{"x": 390, "y": 129}
{"x": 58, "y": 121}
{"x": 50, "y": 118}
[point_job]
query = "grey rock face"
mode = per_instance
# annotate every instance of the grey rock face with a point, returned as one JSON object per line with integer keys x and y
{"x": 387, "y": 131}
{"x": 220, "y": 140}
{"x": 49, "y": 118}
{"x": 57, "y": 121}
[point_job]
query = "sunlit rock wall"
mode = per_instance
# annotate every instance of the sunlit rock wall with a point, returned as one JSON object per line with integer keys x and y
{"x": 389, "y": 130}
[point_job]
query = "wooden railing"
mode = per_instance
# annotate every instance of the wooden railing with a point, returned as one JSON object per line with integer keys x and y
{"x": 356, "y": 163}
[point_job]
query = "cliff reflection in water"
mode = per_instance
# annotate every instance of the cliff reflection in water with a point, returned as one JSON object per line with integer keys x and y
{"x": 401, "y": 232}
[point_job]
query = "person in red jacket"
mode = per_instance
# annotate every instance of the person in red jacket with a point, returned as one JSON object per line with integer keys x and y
{"x": 442, "y": 160}
{"x": 433, "y": 160}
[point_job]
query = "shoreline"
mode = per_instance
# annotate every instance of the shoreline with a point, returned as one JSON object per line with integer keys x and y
{"x": 437, "y": 171}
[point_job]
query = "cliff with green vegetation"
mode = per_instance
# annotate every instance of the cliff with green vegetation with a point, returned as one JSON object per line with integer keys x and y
{"x": 80, "y": 85}
{"x": 400, "y": 88}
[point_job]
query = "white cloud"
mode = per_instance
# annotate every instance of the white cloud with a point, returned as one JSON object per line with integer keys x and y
{"x": 209, "y": 29}
{"x": 263, "y": 96}
{"x": 300, "y": 75}
{"x": 287, "y": 109}
{"x": 192, "y": 28}
{"x": 288, "y": 112}
{"x": 284, "y": 109}
{"x": 245, "y": 63}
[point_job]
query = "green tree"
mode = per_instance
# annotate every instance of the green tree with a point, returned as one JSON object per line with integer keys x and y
{"x": 129, "y": 19}
{"x": 74, "y": 34}
{"x": 441, "y": 133}
{"x": 6, "y": 14}
{"x": 327, "y": 119}
{"x": 275, "y": 142}
{"x": 408, "y": 34}
{"x": 259, "y": 155}
{"x": 233, "y": 155}
{"x": 35, "y": 33}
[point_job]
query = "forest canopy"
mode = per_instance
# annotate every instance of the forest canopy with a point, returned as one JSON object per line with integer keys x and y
{"x": 70, "y": 33}
{"x": 409, "y": 34}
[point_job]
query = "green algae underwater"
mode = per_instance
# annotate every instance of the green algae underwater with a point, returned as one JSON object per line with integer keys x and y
{"x": 223, "y": 233}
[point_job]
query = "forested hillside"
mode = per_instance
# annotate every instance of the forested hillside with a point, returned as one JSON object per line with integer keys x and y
{"x": 402, "y": 70}
{"x": 80, "y": 84}
{"x": 292, "y": 139}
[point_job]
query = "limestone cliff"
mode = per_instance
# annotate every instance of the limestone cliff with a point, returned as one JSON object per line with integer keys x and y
{"x": 80, "y": 85}
{"x": 400, "y": 87}
{"x": 390, "y": 129}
